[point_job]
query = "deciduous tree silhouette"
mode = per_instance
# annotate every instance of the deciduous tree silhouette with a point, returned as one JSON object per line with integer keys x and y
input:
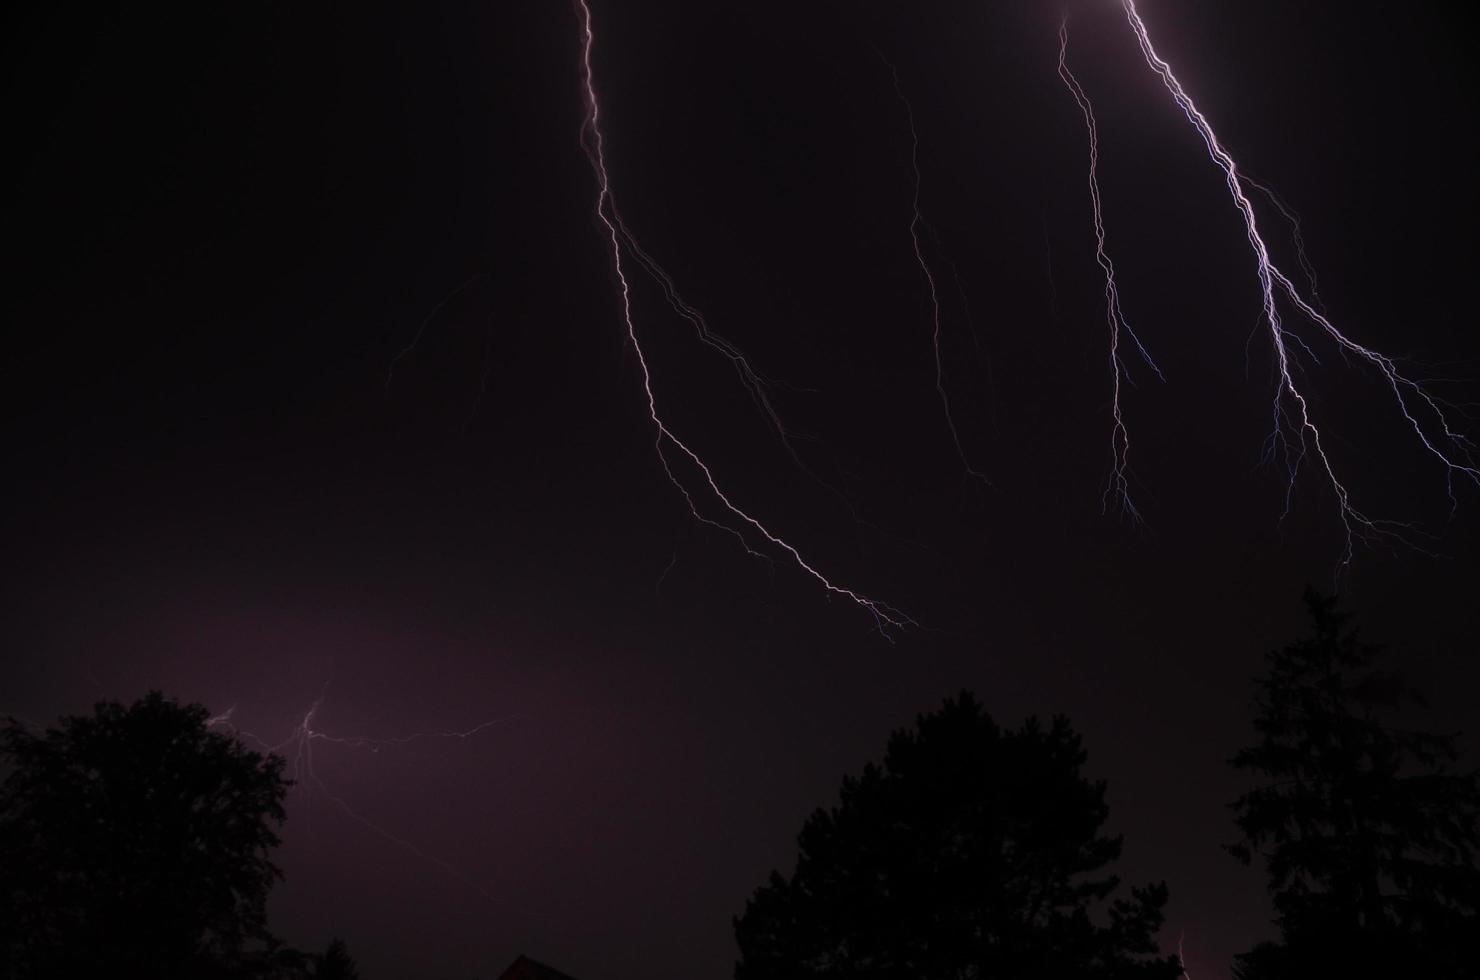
{"x": 972, "y": 852}
{"x": 1367, "y": 834}
{"x": 135, "y": 842}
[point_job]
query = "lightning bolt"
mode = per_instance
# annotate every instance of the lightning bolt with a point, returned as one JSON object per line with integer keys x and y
{"x": 917, "y": 220}
{"x": 390, "y": 371}
{"x": 756, "y": 385}
{"x": 666, "y": 441}
{"x": 1295, "y": 434}
{"x": 1293, "y": 220}
{"x": 297, "y": 749}
{"x": 1120, "y": 440}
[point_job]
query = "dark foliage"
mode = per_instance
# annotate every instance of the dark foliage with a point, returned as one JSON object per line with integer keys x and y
{"x": 972, "y": 852}
{"x": 1367, "y": 834}
{"x": 336, "y": 964}
{"x": 134, "y": 842}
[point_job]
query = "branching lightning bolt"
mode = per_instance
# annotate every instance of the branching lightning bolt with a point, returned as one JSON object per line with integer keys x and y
{"x": 1295, "y": 434}
{"x": 754, "y": 383}
{"x": 916, "y": 221}
{"x": 1293, "y": 220}
{"x": 297, "y": 750}
{"x": 1120, "y": 440}
{"x": 617, "y": 233}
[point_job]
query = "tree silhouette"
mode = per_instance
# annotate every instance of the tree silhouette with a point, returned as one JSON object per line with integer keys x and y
{"x": 336, "y": 964}
{"x": 134, "y": 842}
{"x": 972, "y": 852}
{"x": 1367, "y": 835}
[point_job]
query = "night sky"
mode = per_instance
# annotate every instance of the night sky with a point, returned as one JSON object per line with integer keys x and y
{"x": 226, "y": 221}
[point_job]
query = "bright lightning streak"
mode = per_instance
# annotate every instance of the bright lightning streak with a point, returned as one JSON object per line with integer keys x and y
{"x": 916, "y": 221}
{"x": 1291, "y": 411}
{"x": 1120, "y": 440}
{"x": 1293, "y": 220}
{"x": 756, "y": 384}
{"x": 753, "y": 382}
{"x": 885, "y": 617}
